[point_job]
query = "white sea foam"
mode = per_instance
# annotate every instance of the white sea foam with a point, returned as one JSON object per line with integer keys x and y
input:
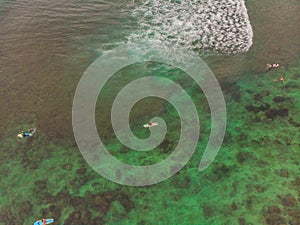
{"x": 205, "y": 25}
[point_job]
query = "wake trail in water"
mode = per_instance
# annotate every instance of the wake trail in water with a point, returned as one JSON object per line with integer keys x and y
{"x": 202, "y": 25}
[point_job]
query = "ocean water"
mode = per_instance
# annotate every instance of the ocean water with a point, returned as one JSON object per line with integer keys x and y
{"x": 218, "y": 26}
{"x": 46, "y": 46}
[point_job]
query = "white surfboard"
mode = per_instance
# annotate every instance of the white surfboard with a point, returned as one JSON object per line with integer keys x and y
{"x": 148, "y": 125}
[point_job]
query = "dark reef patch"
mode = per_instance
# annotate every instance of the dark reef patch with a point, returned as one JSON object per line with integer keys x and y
{"x": 287, "y": 200}
{"x": 272, "y": 216}
{"x": 221, "y": 171}
{"x": 7, "y": 217}
{"x": 294, "y": 123}
{"x": 257, "y": 109}
{"x": 244, "y": 156}
{"x": 274, "y": 113}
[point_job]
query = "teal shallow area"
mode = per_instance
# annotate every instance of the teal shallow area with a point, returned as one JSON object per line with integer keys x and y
{"x": 46, "y": 46}
{"x": 254, "y": 179}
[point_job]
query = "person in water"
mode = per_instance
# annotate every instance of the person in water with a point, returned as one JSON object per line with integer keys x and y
{"x": 44, "y": 222}
{"x": 271, "y": 66}
{"x": 27, "y": 134}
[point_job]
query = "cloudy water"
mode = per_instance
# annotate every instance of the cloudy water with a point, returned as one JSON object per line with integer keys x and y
{"x": 44, "y": 49}
{"x": 46, "y": 46}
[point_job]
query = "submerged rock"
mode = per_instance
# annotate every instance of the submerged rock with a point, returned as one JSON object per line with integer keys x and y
{"x": 278, "y": 99}
{"x": 125, "y": 201}
{"x": 257, "y": 109}
{"x": 67, "y": 166}
{"x": 272, "y": 216}
{"x": 78, "y": 202}
{"x": 274, "y": 113}
{"x": 40, "y": 185}
{"x": 241, "y": 221}
{"x": 74, "y": 218}
{"x": 296, "y": 183}
{"x": 100, "y": 203}
{"x": 81, "y": 171}
{"x": 294, "y": 214}
{"x": 273, "y": 209}
{"x": 182, "y": 182}
{"x": 221, "y": 171}
{"x": 7, "y": 217}
{"x": 260, "y": 188}
{"x": 243, "y": 156}
{"x": 275, "y": 220}
{"x": 287, "y": 200}
{"x": 258, "y": 97}
{"x": 283, "y": 173}
{"x": 294, "y": 123}
{"x": 26, "y": 206}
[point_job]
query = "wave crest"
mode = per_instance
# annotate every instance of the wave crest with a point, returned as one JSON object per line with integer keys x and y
{"x": 217, "y": 26}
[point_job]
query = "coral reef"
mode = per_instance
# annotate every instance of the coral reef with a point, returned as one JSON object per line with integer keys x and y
{"x": 253, "y": 180}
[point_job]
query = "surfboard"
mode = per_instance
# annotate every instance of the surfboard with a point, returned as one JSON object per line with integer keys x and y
{"x": 147, "y": 125}
{"x": 40, "y": 222}
{"x": 28, "y": 133}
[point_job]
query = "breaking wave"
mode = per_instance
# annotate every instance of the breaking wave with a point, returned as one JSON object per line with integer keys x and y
{"x": 202, "y": 25}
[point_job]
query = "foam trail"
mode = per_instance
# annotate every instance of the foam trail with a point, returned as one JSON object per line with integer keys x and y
{"x": 205, "y": 25}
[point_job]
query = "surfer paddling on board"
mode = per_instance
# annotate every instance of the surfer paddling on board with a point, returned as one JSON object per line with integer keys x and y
{"x": 27, "y": 134}
{"x": 148, "y": 125}
{"x": 43, "y": 222}
{"x": 271, "y": 66}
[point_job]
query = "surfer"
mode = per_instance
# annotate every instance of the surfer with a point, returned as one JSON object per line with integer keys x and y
{"x": 43, "y": 222}
{"x": 271, "y": 66}
{"x": 148, "y": 125}
{"x": 27, "y": 134}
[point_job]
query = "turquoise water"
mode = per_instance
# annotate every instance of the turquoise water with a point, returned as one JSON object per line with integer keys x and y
{"x": 45, "y": 47}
